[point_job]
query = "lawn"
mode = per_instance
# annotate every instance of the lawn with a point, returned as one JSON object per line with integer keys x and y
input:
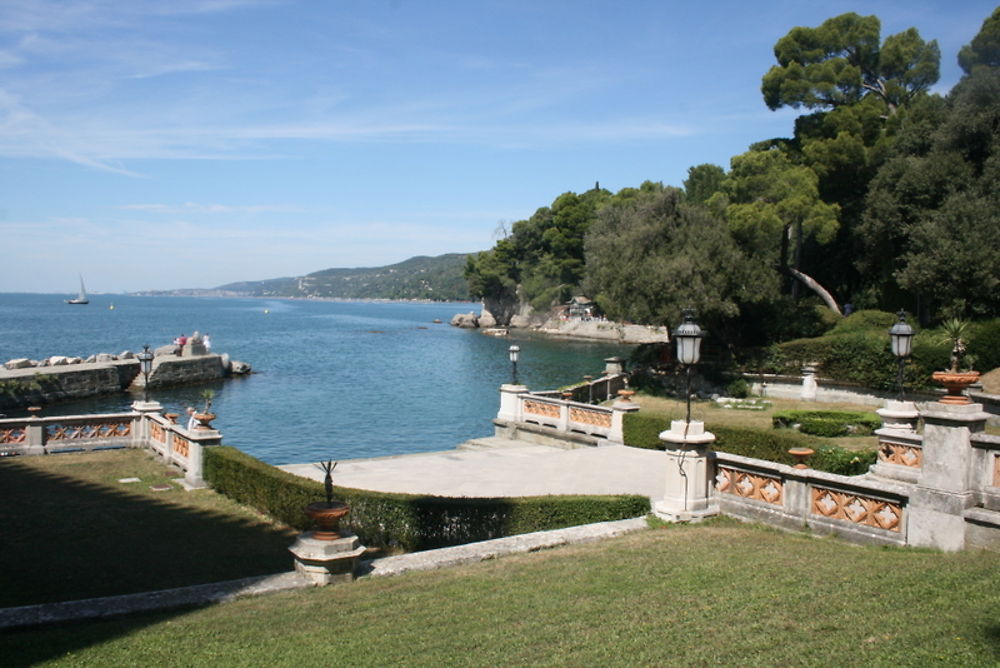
{"x": 70, "y": 530}
{"x": 715, "y": 593}
{"x": 712, "y": 414}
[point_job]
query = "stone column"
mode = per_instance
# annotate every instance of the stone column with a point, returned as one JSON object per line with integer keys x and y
{"x": 140, "y": 435}
{"x": 943, "y": 492}
{"x": 510, "y": 404}
{"x": 809, "y": 386}
{"x": 34, "y": 428}
{"x": 199, "y": 438}
{"x": 327, "y": 561}
{"x": 618, "y": 411}
{"x": 690, "y": 472}
{"x": 614, "y": 365}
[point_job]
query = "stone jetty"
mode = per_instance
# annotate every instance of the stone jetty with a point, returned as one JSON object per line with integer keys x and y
{"x": 25, "y": 382}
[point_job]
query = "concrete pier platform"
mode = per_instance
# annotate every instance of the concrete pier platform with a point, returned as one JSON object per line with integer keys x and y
{"x": 494, "y": 467}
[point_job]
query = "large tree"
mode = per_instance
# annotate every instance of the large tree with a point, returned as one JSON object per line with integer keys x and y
{"x": 650, "y": 254}
{"x": 773, "y": 206}
{"x": 842, "y": 61}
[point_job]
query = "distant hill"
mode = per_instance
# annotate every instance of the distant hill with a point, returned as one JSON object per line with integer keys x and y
{"x": 439, "y": 278}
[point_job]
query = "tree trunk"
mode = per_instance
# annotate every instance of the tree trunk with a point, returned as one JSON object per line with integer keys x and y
{"x": 813, "y": 285}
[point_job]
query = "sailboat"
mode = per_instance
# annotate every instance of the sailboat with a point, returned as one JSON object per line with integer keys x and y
{"x": 82, "y": 297}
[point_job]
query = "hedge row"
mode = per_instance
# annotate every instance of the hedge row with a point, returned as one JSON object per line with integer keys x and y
{"x": 642, "y": 431}
{"x": 413, "y": 522}
{"x": 829, "y": 424}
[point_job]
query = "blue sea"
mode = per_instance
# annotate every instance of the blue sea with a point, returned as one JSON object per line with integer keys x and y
{"x": 332, "y": 380}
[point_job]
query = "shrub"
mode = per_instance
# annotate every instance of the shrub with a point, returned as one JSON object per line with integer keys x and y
{"x": 414, "y": 522}
{"x": 738, "y": 389}
{"x": 642, "y": 431}
{"x": 829, "y": 424}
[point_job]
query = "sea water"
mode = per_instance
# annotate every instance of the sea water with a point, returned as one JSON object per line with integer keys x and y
{"x": 332, "y": 380}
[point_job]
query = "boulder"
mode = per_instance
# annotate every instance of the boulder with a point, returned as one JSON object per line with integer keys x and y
{"x": 520, "y": 321}
{"x": 44, "y": 362}
{"x": 58, "y": 360}
{"x": 225, "y": 360}
{"x": 238, "y": 368}
{"x": 487, "y": 320}
{"x": 126, "y": 355}
{"x": 90, "y": 360}
{"x": 169, "y": 349}
{"x": 74, "y": 360}
{"x": 465, "y": 320}
{"x": 105, "y": 357}
{"x": 20, "y": 363}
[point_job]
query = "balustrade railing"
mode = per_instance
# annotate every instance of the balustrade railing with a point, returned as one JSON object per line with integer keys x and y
{"x": 141, "y": 428}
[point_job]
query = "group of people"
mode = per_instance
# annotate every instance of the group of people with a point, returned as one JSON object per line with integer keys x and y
{"x": 203, "y": 339}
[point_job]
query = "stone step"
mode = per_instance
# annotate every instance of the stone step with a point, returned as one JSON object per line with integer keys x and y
{"x": 493, "y": 443}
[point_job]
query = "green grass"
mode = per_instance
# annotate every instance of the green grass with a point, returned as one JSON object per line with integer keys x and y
{"x": 712, "y": 414}
{"x": 69, "y": 530}
{"x": 716, "y": 593}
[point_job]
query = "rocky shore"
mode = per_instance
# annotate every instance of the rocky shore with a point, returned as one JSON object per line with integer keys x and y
{"x": 592, "y": 329}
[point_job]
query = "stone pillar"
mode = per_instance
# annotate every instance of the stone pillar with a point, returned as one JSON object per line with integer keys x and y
{"x": 690, "y": 472}
{"x": 510, "y": 403}
{"x": 614, "y": 365}
{"x": 809, "y": 387}
{"x": 900, "y": 451}
{"x": 34, "y": 428}
{"x": 199, "y": 438}
{"x": 327, "y": 561}
{"x": 140, "y": 434}
{"x": 943, "y": 492}
{"x": 618, "y": 411}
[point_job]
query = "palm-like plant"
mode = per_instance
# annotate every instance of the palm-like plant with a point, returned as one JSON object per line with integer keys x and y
{"x": 955, "y": 333}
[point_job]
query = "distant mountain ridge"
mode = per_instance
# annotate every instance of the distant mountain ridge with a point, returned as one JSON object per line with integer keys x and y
{"x": 439, "y": 278}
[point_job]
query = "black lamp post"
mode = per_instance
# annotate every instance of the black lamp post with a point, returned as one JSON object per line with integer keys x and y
{"x": 901, "y": 335}
{"x": 145, "y": 365}
{"x": 688, "y": 336}
{"x": 515, "y": 353}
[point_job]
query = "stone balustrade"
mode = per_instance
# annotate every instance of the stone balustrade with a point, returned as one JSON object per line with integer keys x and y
{"x": 144, "y": 427}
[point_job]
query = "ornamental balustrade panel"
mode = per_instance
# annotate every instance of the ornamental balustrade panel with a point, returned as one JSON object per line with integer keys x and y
{"x": 541, "y": 411}
{"x": 856, "y": 508}
{"x": 901, "y": 454}
{"x": 590, "y": 419}
{"x": 745, "y": 484}
{"x": 90, "y": 429}
{"x": 14, "y": 435}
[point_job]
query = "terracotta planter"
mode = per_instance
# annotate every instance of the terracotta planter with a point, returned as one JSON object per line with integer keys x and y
{"x": 204, "y": 420}
{"x": 172, "y": 417}
{"x": 801, "y": 454}
{"x": 955, "y": 383}
{"x": 326, "y": 517}
{"x": 626, "y": 395}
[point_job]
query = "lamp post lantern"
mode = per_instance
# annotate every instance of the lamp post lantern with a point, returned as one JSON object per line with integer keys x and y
{"x": 688, "y": 336}
{"x": 514, "y": 352}
{"x": 145, "y": 365}
{"x": 901, "y": 335}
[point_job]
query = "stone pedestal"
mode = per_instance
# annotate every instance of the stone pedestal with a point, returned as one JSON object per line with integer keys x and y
{"x": 943, "y": 495}
{"x": 809, "y": 386}
{"x": 689, "y": 474}
{"x": 509, "y": 408}
{"x": 900, "y": 454}
{"x": 327, "y": 561}
{"x": 618, "y": 411}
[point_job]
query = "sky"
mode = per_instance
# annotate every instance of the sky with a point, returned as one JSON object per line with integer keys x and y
{"x": 155, "y": 145}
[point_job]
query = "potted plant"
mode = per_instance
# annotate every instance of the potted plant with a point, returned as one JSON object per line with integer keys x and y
{"x": 956, "y": 379}
{"x": 205, "y": 417}
{"x": 327, "y": 514}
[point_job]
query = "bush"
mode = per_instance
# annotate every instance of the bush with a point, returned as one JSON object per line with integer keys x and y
{"x": 984, "y": 343}
{"x": 642, "y": 431}
{"x": 414, "y": 522}
{"x": 829, "y": 424}
{"x": 738, "y": 389}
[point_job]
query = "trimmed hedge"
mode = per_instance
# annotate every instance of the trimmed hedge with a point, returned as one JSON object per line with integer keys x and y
{"x": 642, "y": 431}
{"x": 829, "y": 424}
{"x": 413, "y": 522}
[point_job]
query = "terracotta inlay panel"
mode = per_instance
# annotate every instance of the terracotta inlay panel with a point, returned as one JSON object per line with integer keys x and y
{"x": 857, "y": 509}
{"x": 13, "y": 435}
{"x": 182, "y": 446}
{"x": 541, "y": 408}
{"x": 903, "y": 455}
{"x": 768, "y": 489}
{"x": 88, "y": 430}
{"x": 591, "y": 417}
{"x": 157, "y": 431}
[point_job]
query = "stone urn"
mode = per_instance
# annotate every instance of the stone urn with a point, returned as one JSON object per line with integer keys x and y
{"x": 626, "y": 395}
{"x": 801, "y": 455}
{"x": 326, "y": 516}
{"x": 955, "y": 382}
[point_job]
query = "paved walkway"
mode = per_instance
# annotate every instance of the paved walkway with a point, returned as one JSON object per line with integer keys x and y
{"x": 495, "y": 467}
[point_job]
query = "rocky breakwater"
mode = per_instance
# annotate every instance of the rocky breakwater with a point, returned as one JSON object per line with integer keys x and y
{"x": 25, "y": 382}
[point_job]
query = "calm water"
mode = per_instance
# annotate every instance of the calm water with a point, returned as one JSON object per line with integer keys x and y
{"x": 333, "y": 380}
